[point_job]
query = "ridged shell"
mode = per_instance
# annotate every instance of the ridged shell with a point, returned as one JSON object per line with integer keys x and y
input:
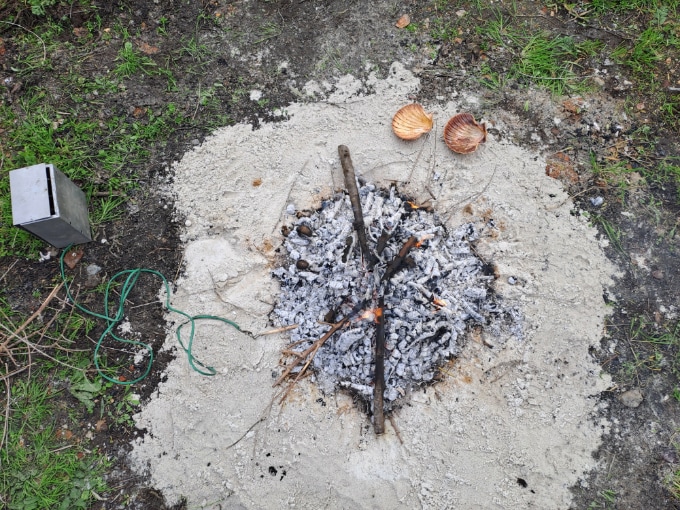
{"x": 462, "y": 134}
{"x": 411, "y": 122}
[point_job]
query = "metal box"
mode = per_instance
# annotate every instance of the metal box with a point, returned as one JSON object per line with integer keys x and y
{"x": 46, "y": 203}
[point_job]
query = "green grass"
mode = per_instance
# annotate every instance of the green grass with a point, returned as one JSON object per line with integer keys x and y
{"x": 613, "y": 233}
{"x": 44, "y": 465}
{"x": 654, "y": 347}
{"x": 549, "y": 62}
{"x": 606, "y": 499}
{"x": 624, "y": 178}
{"x": 95, "y": 154}
{"x": 96, "y": 149}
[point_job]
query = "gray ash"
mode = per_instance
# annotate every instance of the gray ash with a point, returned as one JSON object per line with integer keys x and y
{"x": 439, "y": 291}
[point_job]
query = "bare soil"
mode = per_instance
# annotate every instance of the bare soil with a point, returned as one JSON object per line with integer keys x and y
{"x": 276, "y": 47}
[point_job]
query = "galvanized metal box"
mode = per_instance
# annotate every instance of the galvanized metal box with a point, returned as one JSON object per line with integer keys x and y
{"x": 46, "y": 203}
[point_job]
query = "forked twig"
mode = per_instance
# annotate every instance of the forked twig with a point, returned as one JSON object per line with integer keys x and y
{"x": 310, "y": 352}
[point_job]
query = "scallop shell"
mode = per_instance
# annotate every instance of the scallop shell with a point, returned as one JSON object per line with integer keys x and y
{"x": 411, "y": 122}
{"x": 462, "y": 134}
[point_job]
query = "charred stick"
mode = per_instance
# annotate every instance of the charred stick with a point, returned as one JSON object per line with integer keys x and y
{"x": 399, "y": 259}
{"x": 379, "y": 386}
{"x": 353, "y": 190}
{"x": 382, "y": 241}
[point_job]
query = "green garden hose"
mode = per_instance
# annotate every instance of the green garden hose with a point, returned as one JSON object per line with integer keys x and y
{"x": 131, "y": 276}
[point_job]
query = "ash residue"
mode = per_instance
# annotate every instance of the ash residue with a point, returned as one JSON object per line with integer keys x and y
{"x": 438, "y": 291}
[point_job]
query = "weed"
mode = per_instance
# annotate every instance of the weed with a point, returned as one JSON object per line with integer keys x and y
{"x": 612, "y": 232}
{"x": 162, "y": 28}
{"x": 607, "y": 500}
{"x": 119, "y": 411}
{"x": 411, "y": 28}
{"x": 490, "y": 78}
{"x": 131, "y": 61}
{"x": 676, "y": 394}
{"x": 38, "y": 7}
{"x": 443, "y": 30}
{"x": 194, "y": 49}
{"x": 268, "y": 31}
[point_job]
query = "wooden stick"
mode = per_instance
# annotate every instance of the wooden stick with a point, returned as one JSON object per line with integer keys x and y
{"x": 399, "y": 259}
{"x": 50, "y": 297}
{"x": 379, "y": 386}
{"x": 351, "y": 185}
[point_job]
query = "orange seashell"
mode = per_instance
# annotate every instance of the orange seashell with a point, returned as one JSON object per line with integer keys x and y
{"x": 411, "y": 122}
{"x": 462, "y": 134}
{"x": 403, "y": 22}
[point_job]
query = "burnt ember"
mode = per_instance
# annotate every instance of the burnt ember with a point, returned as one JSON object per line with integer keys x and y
{"x": 433, "y": 285}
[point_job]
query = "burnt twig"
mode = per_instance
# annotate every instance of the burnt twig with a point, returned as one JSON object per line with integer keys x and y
{"x": 399, "y": 259}
{"x": 351, "y": 185}
{"x": 308, "y": 353}
{"x": 379, "y": 386}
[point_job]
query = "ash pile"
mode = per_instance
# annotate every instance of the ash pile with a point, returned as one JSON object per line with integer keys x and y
{"x": 423, "y": 290}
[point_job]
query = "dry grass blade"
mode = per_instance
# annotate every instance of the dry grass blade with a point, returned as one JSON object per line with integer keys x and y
{"x": 6, "y": 424}
{"x": 15, "y": 341}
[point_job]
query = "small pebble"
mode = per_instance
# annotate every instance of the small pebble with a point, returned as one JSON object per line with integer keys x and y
{"x": 631, "y": 398}
{"x": 597, "y": 201}
{"x": 512, "y": 280}
{"x": 658, "y": 274}
{"x": 93, "y": 269}
{"x": 187, "y": 223}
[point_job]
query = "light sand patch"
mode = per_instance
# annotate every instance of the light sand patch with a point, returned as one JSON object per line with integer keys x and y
{"x": 524, "y": 411}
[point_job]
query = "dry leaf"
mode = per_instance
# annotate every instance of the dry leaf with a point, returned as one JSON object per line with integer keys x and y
{"x": 560, "y": 167}
{"x": 147, "y": 48}
{"x": 73, "y": 256}
{"x": 80, "y": 31}
{"x": 257, "y": 182}
{"x": 64, "y": 434}
{"x": 100, "y": 425}
{"x": 403, "y": 22}
{"x": 138, "y": 112}
{"x": 573, "y": 105}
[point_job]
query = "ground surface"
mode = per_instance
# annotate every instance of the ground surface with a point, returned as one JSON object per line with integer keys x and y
{"x": 222, "y": 51}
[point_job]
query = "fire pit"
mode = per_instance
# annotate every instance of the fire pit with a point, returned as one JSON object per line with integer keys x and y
{"x": 382, "y": 293}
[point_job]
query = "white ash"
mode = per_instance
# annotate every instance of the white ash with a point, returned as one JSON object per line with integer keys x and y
{"x": 429, "y": 303}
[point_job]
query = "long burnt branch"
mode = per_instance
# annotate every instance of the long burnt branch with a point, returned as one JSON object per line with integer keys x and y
{"x": 379, "y": 385}
{"x": 353, "y": 190}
